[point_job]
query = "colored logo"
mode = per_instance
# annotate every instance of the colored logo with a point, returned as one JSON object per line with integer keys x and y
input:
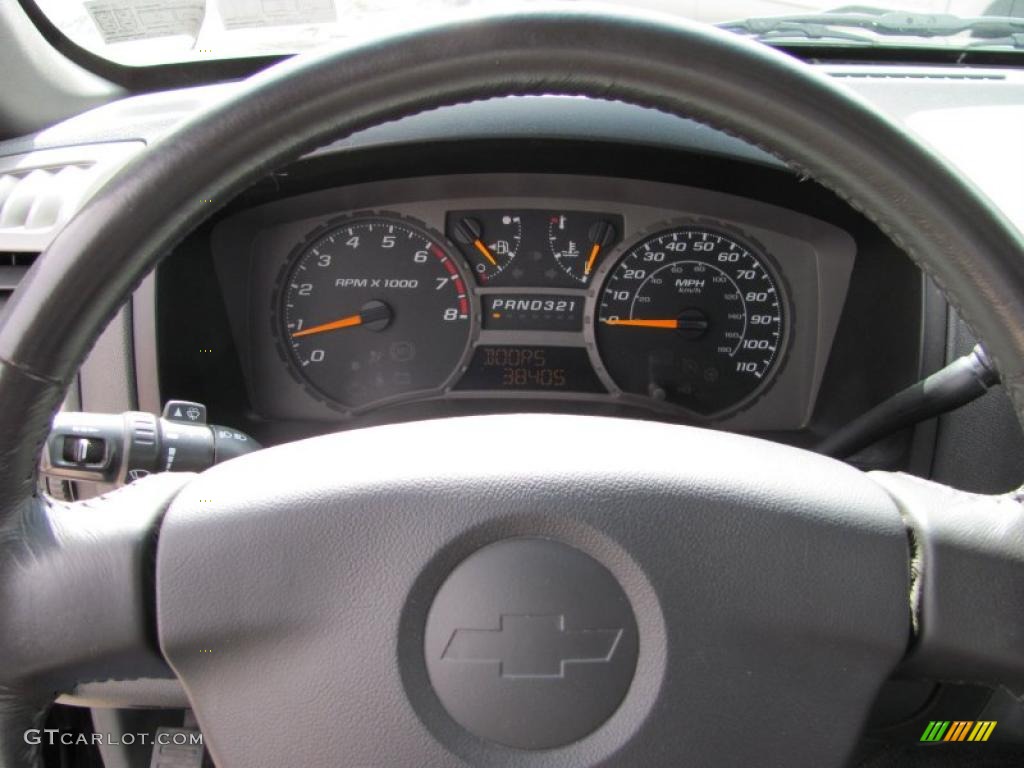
{"x": 958, "y": 730}
{"x": 532, "y": 646}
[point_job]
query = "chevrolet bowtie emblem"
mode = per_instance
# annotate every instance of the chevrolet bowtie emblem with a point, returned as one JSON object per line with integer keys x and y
{"x": 532, "y": 646}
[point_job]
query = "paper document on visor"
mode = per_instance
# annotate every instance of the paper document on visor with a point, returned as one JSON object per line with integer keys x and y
{"x": 243, "y": 14}
{"x": 121, "y": 21}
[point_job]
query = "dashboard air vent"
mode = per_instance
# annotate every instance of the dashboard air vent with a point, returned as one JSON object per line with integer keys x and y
{"x": 40, "y": 191}
{"x": 34, "y": 199}
{"x": 13, "y": 267}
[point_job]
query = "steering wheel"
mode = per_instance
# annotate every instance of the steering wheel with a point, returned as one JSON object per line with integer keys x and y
{"x": 392, "y": 596}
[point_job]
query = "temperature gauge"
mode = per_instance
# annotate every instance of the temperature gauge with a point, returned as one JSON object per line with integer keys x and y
{"x": 578, "y": 241}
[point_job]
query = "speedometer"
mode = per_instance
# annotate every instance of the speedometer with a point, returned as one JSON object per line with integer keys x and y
{"x": 693, "y": 316}
{"x": 372, "y": 308}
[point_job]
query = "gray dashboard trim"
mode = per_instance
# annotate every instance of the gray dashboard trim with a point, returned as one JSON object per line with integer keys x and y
{"x": 144, "y": 332}
{"x": 107, "y": 377}
{"x": 49, "y": 85}
{"x": 143, "y": 692}
{"x": 816, "y": 260}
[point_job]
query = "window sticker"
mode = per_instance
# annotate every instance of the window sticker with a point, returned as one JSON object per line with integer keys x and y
{"x": 243, "y": 14}
{"x": 120, "y": 21}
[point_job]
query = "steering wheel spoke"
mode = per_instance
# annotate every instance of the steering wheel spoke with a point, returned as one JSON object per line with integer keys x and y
{"x": 968, "y": 583}
{"x": 76, "y": 583}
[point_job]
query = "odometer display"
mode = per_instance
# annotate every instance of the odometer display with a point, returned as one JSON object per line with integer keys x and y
{"x": 372, "y": 308}
{"x": 691, "y": 316}
{"x": 539, "y": 369}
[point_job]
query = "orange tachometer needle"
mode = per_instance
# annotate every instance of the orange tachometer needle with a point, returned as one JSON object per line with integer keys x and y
{"x": 374, "y": 316}
{"x": 594, "y": 250}
{"x": 674, "y": 323}
{"x": 479, "y": 245}
{"x": 345, "y": 322}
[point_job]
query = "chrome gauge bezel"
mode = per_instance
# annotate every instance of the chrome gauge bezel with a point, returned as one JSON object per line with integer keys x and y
{"x": 279, "y": 295}
{"x": 612, "y": 261}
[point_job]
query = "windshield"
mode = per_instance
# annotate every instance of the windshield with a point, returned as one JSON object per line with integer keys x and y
{"x": 141, "y": 32}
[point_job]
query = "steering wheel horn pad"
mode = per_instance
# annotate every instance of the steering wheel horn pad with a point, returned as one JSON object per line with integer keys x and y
{"x": 305, "y": 585}
{"x": 771, "y": 588}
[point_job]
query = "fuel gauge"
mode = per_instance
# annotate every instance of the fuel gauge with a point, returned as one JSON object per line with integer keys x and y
{"x": 578, "y": 241}
{"x": 488, "y": 239}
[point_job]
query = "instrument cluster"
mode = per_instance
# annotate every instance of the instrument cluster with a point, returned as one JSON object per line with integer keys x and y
{"x": 694, "y": 310}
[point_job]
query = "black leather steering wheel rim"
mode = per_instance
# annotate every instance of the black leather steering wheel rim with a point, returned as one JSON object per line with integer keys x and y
{"x": 767, "y": 98}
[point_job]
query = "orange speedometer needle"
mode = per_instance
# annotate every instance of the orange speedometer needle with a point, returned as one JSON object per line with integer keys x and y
{"x": 673, "y": 323}
{"x": 594, "y": 250}
{"x": 344, "y": 322}
{"x": 479, "y": 245}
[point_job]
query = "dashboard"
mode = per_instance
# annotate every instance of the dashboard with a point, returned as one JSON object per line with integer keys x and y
{"x": 682, "y": 302}
{"x": 858, "y": 320}
{"x": 541, "y": 328}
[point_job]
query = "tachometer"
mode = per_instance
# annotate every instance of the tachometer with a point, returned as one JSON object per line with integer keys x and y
{"x": 693, "y": 316}
{"x": 371, "y": 308}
